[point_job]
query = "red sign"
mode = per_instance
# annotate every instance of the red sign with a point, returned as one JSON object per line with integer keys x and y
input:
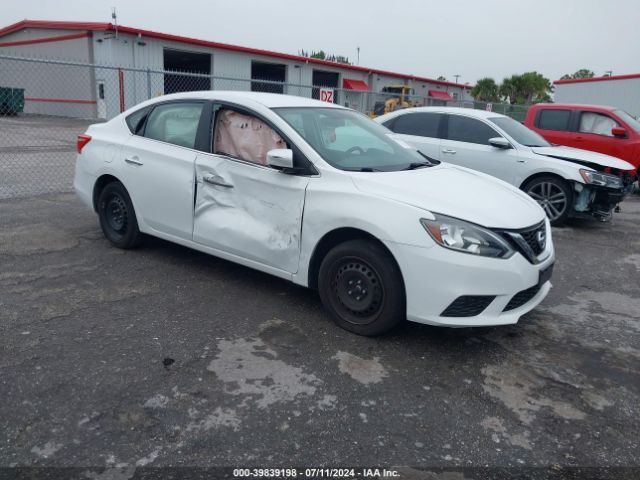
{"x": 326, "y": 95}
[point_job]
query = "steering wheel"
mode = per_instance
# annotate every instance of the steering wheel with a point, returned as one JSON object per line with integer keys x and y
{"x": 355, "y": 149}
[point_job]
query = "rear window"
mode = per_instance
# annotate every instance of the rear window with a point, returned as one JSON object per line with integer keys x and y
{"x": 419, "y": 124}
{"x": 136, "y": 119}
{"x": 554, "y": 119}
{"x": 175, "y": 123}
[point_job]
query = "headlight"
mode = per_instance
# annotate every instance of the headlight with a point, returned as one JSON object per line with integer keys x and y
{"x": 466, "y": 237}
{"x": 601, "y": 179}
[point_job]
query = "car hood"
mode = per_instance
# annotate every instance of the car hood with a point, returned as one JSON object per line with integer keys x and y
{"x": 457, "y": 192}
{"x": 582, "y": 156}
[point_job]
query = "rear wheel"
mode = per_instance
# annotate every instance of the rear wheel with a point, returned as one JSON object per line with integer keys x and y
{"x": 554, "y": 195}
{"x": 117, "y": 216}
{"x": 361, "y": 286}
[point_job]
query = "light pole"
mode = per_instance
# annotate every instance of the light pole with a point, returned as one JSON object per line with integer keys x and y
{"x": 457, "y": 76}
{"x": 358, "y": 61}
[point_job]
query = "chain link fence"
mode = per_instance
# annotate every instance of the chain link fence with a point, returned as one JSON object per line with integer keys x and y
{"x": 45, "y": 104}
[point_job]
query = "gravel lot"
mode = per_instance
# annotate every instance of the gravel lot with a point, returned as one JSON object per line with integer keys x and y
{"x": 167, "y": 357}
{"x": 37, "y": 154}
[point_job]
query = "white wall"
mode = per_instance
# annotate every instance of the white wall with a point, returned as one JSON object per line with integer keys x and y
{"x": 623, "y": 94}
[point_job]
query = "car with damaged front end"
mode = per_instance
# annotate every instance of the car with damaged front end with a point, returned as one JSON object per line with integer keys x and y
{"x": 566, "y": 182}
{"x": 322, "y": 196}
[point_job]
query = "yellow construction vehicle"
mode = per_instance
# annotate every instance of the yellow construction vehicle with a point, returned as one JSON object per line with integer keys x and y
{"x": 395, "y": 97}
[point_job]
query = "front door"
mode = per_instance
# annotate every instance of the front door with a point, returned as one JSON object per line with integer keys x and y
{"x": 467, "y": 144}
{"x": 243, "y": 206}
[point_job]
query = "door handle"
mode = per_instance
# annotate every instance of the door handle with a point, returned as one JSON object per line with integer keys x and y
{"x": 133, "y": 161}
{"x": 448, "y": 150}
{"x": 216, "y": 180}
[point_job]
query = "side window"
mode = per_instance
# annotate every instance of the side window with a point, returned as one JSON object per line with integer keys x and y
{"x": 470, "y": 130}
{"x": 554, "y": 119}
{"x": 244, "y": 137}
{"x": 136, "y": 119}
{"x": 420, "y": 124}
{"x": 597, "y": 123}
{"x": 175, "y": 123}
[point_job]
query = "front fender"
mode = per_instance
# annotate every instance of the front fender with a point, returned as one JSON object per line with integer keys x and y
{"x": 385, "y": 219}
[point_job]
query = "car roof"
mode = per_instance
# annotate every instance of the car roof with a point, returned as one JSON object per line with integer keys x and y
{"x": 575, "y": 106}
{"x": 269, "y": 100}
{"x": 470, "y": 112}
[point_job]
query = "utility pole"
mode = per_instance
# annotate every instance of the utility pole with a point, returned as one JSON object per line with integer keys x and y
{"x": 114, "y": 16}
{"x": 457, "y": 77}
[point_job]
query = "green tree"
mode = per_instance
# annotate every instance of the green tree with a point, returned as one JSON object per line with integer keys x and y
{"x": 485, "y": 90}
{"x": 582, "y": 73}
{"x": 442, "y": 78}
{"x": 525, "y": 89}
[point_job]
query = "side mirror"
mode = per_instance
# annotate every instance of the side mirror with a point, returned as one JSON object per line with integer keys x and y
{"x": 619, "y": 132}
{"x": 500, "y": 142}
{"x": 280, "y": 158}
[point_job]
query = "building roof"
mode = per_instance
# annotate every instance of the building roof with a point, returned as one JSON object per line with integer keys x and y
{"x": 109, "y": 27}
{"x": 597, "y": 79}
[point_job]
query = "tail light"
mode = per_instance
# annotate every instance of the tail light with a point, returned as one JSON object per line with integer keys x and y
{"x": 82, "y": 141}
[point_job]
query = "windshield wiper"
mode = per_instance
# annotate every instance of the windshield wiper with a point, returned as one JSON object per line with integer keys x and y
{"x": 363, "y": 169}
{"x": 432, "y": 161}
{"x": 415, "y": 165}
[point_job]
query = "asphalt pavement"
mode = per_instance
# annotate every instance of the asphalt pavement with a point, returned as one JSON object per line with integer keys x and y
{"x": 163, "y": 356}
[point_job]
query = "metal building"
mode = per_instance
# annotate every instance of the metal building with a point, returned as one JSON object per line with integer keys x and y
{"x": 137, "y": 63}
{"x": 620, "y": 91}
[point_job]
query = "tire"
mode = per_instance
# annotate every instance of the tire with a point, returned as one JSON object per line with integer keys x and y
{"x": 375, "y": 303}
{"x": 554, "y": 195}
{"x": 117, "y": 216}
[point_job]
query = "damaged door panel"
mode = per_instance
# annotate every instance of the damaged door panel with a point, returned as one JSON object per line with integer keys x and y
{"x": 243, "y": 206}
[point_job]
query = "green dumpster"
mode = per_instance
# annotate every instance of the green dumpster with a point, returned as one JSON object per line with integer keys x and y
{"x": 11, "y": 101}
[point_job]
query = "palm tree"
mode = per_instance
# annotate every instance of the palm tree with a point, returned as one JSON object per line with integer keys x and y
{"x": 485, "y": 90}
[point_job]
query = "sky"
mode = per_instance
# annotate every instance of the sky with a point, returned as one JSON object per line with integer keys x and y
{"x": 470, "y": 38}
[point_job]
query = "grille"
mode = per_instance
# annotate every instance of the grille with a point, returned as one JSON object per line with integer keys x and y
{"x": 531, "y": 237}
{"x": 521, "y": 298}
{"x": 467, "y": 306}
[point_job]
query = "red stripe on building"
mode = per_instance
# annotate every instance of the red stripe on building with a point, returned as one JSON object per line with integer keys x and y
{"x": 95, "y": 26}
{"x": 597, "y": 79}
{"x": 60, "y": 100}
{"x": 61, "y": 38}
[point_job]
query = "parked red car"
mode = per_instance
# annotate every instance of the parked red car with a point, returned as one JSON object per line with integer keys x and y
{"x": 601, "y": 129}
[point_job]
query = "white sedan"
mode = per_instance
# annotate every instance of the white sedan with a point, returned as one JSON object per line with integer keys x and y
{"x": 324, "y": 197}
{"x": 566, "y": 182}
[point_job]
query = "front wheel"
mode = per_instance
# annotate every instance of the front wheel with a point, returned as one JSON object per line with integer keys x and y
{"x": 360, "y": 284}
{"x": 117, "y": 216}
{"x": 554, "y": 195}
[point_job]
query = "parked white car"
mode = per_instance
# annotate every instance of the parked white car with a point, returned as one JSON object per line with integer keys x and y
{"x": 320, "y": 195}
{"x": 566, "y": 182}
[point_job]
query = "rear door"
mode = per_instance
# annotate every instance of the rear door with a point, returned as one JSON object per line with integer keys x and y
{"x": 421, "y": 130}
{"x": 243, "y": 206}
{"x": 158, "y": 165}
{"x": 466, "y": 143}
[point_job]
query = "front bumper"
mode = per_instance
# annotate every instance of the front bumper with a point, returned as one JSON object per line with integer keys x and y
{"x": 596, "y": 200}
{"x": 435, "y": 278}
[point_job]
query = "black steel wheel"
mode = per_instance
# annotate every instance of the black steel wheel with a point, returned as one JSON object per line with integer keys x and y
{"x": 554, "y": 195}
{"x": 117, "y": 216}
{"x": 361, "y": 285}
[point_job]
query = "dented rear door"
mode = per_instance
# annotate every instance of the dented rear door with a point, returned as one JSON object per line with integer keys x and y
{"x": 249, "y": 210}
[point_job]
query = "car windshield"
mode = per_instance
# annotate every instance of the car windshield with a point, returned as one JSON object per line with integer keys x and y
{"x": 519, "y": 132}
{"x": 628, "y": 119}
{"x": 350, "y": 141}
